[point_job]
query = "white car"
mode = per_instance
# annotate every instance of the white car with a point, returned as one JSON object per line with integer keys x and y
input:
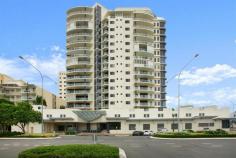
{"x": 148, "y": 133}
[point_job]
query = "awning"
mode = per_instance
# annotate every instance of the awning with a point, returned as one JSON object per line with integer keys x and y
{"x": 89, "y": 115}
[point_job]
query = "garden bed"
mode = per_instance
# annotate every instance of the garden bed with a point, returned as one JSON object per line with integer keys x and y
{"x": 206, "y": 134}
{"x": 72, "y": 151}
{"x": 21, "y": 135}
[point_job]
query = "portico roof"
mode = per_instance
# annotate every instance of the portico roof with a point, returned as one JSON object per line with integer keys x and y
{"x": 89, "y": 115}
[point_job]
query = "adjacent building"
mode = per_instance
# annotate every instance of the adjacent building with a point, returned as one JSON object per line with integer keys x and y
{"x": 115, "y": 58}
{"x": 18, "y": 90}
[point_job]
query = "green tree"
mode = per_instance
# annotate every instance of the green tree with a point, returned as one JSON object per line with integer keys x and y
{"x": 24, "y": 114}
{"x": 38, "y": 101}
{"x": 7, "y": 118}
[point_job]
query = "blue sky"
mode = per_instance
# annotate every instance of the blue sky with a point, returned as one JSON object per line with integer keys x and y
{"x": 36, "y": 30}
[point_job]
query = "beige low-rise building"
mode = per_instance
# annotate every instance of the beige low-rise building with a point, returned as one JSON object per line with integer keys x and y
{"x": 19, "y": 90}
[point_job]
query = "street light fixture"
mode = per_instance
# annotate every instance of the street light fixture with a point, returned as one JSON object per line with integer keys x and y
{"x": 22, "y": 58}
{"x": 179, "y": 74}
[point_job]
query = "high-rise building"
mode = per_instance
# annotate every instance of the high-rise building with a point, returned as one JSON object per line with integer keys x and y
{"x": 62, "y": 85}
{"x": 115, "y": 58}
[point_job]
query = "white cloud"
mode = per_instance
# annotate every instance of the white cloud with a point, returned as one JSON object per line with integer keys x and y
{"x": 49, "y": 65}
{"x": 208, "y": 75}
{"x": 220, "y": 97}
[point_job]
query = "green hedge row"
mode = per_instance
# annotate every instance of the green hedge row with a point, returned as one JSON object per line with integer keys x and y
{"x": 205, "y": 134}
{"x": 10, "y": 134}
{"x": 72, "y": 151}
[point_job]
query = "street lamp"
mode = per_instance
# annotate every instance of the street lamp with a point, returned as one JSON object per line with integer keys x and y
{"x": 22, "y": 58}
{"x": 179, "y": 74}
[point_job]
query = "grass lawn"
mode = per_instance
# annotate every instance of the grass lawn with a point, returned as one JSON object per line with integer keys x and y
{"x": 72, "y": 151}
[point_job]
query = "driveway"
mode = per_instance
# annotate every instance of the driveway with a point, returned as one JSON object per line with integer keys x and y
{"x": 135, "y": 147}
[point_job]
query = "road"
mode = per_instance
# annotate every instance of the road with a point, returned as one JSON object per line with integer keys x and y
{"x": 135, "y": 147}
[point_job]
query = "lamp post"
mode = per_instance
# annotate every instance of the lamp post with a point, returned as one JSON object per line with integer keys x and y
{"x": 179, "y": 74}
{"x": 22, "y": 58}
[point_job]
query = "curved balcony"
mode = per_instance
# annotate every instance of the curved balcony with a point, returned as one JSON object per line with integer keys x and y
{"x": 144, "y": 97}
{"x": 141, "y": 74}
{"x": 79, "y": 78}
{"x": 144, "y": 82}
{"x": 144, "y": 89}
{"x": 75, "y": 63}
{"x": 80, "y": 44}
{"x": 82, "y": 85}
{"x": 73, "y": 92}
{"x": 79, "y": 71}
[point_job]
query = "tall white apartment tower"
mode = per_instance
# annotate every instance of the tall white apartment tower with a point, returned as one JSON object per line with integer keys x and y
{"x": 115, "y": 59}
{"x": 62, "y": 85}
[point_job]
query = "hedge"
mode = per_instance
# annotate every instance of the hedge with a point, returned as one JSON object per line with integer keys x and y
{"x": 72, "y": 151}
{"x": 10, "y": 134}
{"x": 206, "y": 134}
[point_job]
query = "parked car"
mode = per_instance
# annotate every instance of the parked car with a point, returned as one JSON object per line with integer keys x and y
{"x": 148, "y": 133}
{"x": 138, "y": 133}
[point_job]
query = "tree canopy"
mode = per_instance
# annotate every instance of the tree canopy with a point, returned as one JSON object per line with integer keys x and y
{"x": 20, "y": 115}
{"x": 38, "y": 101}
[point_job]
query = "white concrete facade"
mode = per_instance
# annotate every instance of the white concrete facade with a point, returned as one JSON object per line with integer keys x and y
{"x": 127, "y": 121}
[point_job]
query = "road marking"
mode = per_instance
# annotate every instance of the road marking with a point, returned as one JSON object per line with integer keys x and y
{"x": 216, "y": 146}
{"x": 16, "y": 144}
{"x": 6, "y": 145}
{"x": 207, "y": 143}
{"x": 170, "y": 143}
{"x": 3, "y": 148}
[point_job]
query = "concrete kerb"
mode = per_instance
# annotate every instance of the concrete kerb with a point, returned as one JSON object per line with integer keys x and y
{"x": 192, "y": 138}
{"x": 29, "y": 138}
{"x": 122, "y": 153}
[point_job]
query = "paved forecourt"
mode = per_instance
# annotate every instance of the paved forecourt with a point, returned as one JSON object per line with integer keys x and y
{"x": 135, "y": 147}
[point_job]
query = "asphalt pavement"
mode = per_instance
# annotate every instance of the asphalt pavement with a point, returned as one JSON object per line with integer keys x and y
{"x": 135, "y": 147}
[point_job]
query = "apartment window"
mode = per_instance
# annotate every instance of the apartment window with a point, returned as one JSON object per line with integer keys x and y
{"x": 201, "y": 114}
{"x": 127, "y": 72}
{"x": 117, "y": 115}
{"x": 112, "y": 36}
{"x": 188, "y": 125}
{"x": 146, "y": 126}
{"x": 49, "y": 115}
{"x": 112, "y": 102}
{"x": 127, "y": 36}
{"x": 112, "y": 88}
{"x": 174, "y": 126}
{"x": 132, "y": 115}
{"x": 160, "y": 109}
{"x": 127, "y": 58}
{"x": 112, "y": 95}
{"x": 127, "y": 21}
{"x": 127, "y": 65}
{"x": 127, "y": 102}
{"x": 112, "y": 73}
{"x": 225, "y": 124}
{"x": 188, "y": 114}
{"x": 127, "y": 95}
{"x": 127, "y": 29}
{"x": 112, "y": 65}
{"x": 112, "y": 51}
{"x": 112, "y": 80}
{"x": 62, "y": 116}
{"x": 146, "y": 115}
{"x": 160, "y": 126}
{"x": 127, "y": 80}
{"x": 112, "y": 43}
{"x": 127, "y": 87}
{"x": 174, "y": 115}
{"x": 127, "y": 50}
{"x": 112, "y": 22}
{"x": 112, "y": 58}
{"x": 112, "y": 29}
{"x": 127, "y": 43}
{"x": 205, "y": 124}
{"x": 132, "y": 126}
{"x": 146, "y": 109}
{"x": 160, "y": 115}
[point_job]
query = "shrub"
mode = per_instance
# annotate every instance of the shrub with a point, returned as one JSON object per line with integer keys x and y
{"x": 72, "y": 151}
{"x": 10, "y": 134}
{"x": 71, "y": 131}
